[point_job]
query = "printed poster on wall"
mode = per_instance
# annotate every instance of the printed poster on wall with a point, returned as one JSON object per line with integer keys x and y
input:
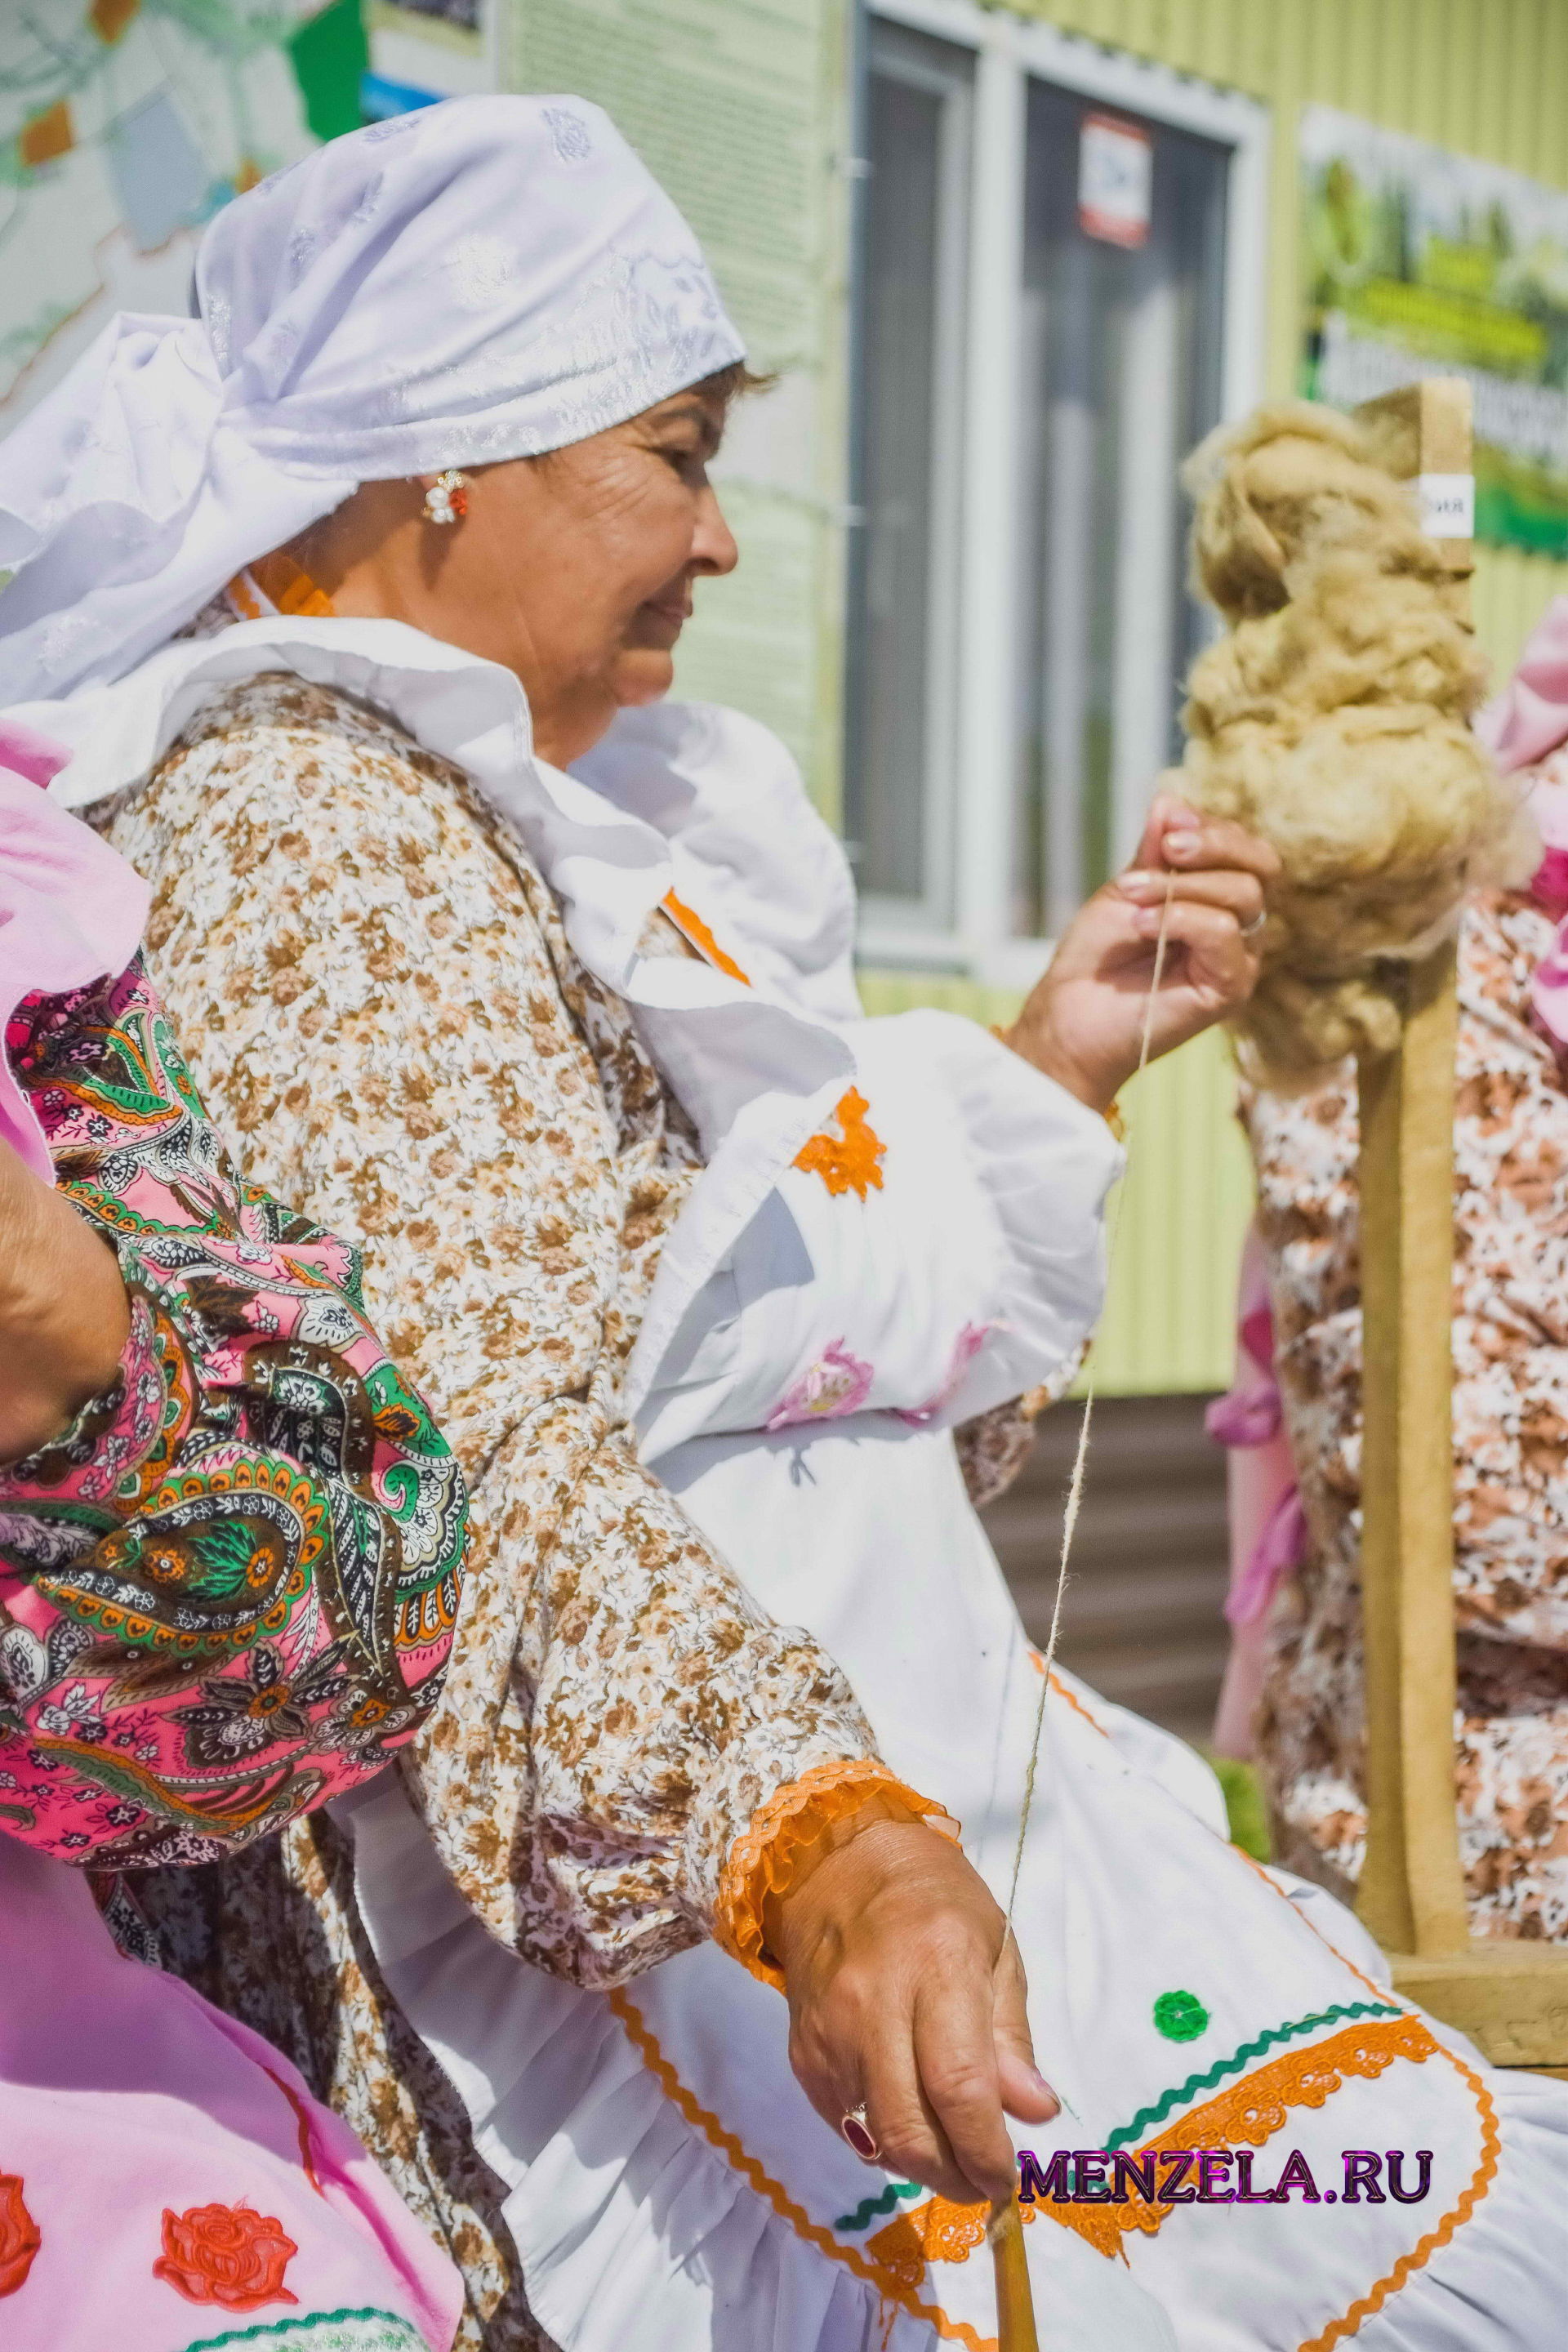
{"x": 124, "y": 125}
{"x": 1418, "y": 262}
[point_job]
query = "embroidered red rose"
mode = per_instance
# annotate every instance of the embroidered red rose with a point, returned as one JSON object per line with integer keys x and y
{"x": 228, "y": 2254}
{"x": 19, "y": 2235}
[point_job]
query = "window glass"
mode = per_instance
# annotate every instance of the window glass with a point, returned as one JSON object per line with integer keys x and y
{"x": 903, "y": 588}
{"x": 1121, "y": 353}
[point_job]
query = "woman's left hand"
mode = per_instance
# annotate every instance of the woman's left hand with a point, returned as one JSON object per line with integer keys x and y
{"x": 1083, "y": 1024}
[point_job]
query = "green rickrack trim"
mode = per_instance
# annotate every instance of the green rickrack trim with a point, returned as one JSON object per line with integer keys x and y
{"x": 867, "y": 2211}
{"x": 1183, "y": 2091}
{"x": 392, "y": 2334}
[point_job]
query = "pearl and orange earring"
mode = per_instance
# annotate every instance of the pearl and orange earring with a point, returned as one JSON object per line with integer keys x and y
{"x": 446, "y": 500}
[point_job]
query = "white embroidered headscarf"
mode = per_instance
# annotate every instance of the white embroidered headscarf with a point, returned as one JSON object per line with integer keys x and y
{"x": 485, "y": 279}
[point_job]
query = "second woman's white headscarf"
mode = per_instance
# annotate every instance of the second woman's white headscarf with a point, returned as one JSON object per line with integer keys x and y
{"x": 485, "y": 279}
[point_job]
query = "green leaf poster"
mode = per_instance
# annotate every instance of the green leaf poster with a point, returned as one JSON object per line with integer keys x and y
{"x": 1418, "y": 262}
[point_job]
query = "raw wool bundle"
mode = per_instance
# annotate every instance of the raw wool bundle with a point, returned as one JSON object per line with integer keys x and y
{"x": 1333, "y": 721}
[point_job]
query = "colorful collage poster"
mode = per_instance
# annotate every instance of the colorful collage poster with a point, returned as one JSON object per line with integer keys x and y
{"x": 1418, "y": 262}
{"x": 124, "y": 125}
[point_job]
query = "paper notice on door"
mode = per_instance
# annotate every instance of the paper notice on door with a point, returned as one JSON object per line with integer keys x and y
{"x": 1115, "y": 180}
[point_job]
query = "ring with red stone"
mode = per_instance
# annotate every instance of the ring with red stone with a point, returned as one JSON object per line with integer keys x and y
{"x": 857, "y": 2132}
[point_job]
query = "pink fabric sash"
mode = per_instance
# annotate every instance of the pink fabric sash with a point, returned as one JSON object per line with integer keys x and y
{"x": 1523, "y": 728}
{"x": 1267, "y": 1525}
{"x": 1530, "y": 717}
{"x": 167, "y": 2178}
{"x": 70, "y": 909}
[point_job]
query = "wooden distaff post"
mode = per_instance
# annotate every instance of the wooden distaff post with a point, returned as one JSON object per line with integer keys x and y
{"x": 1015, "y": 2329}
{"x": 1511, "y": 1998}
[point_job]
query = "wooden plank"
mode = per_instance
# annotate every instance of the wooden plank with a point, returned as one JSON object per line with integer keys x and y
{"x": 1511, "y": 1998}
{"x": 1411, "y": 1893}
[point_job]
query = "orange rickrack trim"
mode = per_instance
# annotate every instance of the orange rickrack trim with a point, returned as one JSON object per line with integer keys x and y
{"x": 893, "y": 2289}
{"x": 1250, "y": 2113}
{"x": 1480, "y": 2181}
{"x": 764, "y": 1857}
{"x": 1062, "y": 1691}
{"x": 1421, "y": 2254}
{"x": 690, "y": 925}
{"x": 850, "y": 1162}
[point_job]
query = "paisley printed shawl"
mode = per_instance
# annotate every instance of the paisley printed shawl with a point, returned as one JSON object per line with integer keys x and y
{"x": 228, "y": 1590}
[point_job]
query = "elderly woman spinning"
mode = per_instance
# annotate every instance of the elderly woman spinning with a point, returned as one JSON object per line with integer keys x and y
{"x": 354, "y": 597}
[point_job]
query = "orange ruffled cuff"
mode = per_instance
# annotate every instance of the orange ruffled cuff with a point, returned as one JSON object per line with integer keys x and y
{"x": 801, "y": 1815}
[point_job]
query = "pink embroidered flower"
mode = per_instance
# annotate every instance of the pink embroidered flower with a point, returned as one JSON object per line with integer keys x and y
{"x": 835, "y": 1384}
{"x": 965, "y": 1348}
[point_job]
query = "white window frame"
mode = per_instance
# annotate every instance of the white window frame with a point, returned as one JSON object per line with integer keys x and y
{"x": 1009, "y": 51}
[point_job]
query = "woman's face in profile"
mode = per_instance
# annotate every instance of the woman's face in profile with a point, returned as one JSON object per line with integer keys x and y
{"x": 573, "y": 569}
{"x": 592, "y": 554}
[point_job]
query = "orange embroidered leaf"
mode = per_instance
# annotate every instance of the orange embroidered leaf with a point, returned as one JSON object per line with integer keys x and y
{"x": 109, "y": 19}
{"x": 45, "y": 136}
{"x": 849, "y": 1163}
{"x": 302, "y": 2124}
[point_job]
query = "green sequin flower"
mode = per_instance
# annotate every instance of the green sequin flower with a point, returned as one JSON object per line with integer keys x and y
{"x": 1180, "y": 2016}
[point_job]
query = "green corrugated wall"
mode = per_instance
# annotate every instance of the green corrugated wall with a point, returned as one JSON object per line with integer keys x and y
{"x": 1487, "y": 78}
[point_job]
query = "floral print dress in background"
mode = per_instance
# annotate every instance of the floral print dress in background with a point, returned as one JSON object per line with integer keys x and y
{"x": 1510, "y": 1447}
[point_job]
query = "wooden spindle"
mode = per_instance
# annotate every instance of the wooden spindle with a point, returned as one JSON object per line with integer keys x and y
{"x": 1015, "y": 2329}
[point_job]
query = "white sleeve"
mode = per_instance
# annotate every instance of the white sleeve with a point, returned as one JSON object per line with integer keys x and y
{"x": 1042, "y": 1164}
{"x": 937, "y": 1250}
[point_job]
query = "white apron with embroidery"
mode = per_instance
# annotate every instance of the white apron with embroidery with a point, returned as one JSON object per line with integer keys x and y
{"x": 812, "y": 1337}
